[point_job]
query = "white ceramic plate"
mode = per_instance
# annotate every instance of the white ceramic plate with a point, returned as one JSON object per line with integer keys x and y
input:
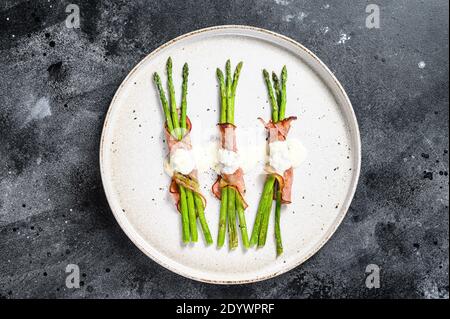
{"x": 132, "y": 152}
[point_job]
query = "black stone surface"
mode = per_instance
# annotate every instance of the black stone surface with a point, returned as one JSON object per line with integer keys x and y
{"x": 55, "y": 87}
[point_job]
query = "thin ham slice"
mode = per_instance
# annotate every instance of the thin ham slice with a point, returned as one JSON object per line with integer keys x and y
{"x": 189, "y": 181}
{"x": 235, "y": 180}
{"x": 173, "y": 143}
{"x": 278, "y": 132}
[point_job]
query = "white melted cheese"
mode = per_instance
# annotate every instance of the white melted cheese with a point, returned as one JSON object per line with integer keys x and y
{"x": 297, "y": 152}
{"x": 279, "y": 158}
{"x": 286, "y": 154}
{"x": 228, "y": 161}
{"x": 253, "y": 156}
{"x": 206, "y": 156}
{"x": 182, "y": 161}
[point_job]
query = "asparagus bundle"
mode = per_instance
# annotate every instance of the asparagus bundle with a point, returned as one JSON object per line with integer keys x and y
{"x": 229, "y": 187}
{"x": 184, "y": 187}
{"x": 278, "y": 184}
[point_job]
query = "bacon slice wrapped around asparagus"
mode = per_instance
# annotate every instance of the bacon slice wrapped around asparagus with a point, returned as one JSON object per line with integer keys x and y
{"x": 278, "y": 185}
{"x": 230, "y": 186}
{"x": 184, "y": 186}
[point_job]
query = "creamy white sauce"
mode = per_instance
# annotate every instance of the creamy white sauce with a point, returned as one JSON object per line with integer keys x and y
{"x": 297, "y": 152}
{"x": 182, "y": 161}
{"x": 228, "y": 160}
{"x": 286, "y": 154}
{"x": 279, "y": 158}
{"x": 252, "y": 156}
{"x": 206, "y": 156}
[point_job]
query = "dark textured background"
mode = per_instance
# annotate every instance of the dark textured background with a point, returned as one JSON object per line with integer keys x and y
{"x": 55, "y": 87}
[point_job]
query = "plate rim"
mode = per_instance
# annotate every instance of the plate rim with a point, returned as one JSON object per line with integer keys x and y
{"x": 131, "y": 233}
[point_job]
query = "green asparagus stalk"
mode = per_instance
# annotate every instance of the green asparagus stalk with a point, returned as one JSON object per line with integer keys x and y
{"x": 237, "y": 73}
{"x": 192, "y": 215}
{"x": 283, "y": 93}
{"x": 273, "y": 100}
{"x": 202, "y": 219}
{"x": 238, "y": 205}
{"x": 176, "y": 126}
{"x": 223, "y": 96}
{"x": 266, "y": 200}
{"x": 262, "y": 216}
{"x": 230, "y": 106}
{"x": 183, "y": 200}
{"x": 191, "y": 205}
{"x": 232, "y": 232}
{"x": 265, "y": 221}
{"x": 222, "y": 217}
{"x": 180, "y": 132}
{"x": 197, "y": 199}
{"x": 183, "y": 97}
{"x": 242, "y": 222}
{"x": 278, "y": 241}
{"x": 276, "y": 87}
{"x": 173, "y": 104}
{"x": 229, "y": 83}
{"x": 164, "y": 102}
{"x": 281, "y": 117}
{"x": 230, "y": 206}
{"x": 184, "y": 215}
{"x": 224, "y": 193}
{"x": 278, "y": 103}
{"x": 231, "y": 92}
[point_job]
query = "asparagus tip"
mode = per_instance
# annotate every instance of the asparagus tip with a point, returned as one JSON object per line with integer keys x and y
{"x": 156, "y": 77}
{"x": 185, "y": 69}
{"x": 219, "y": 73}
{"x": 169, "y": 67}
{"x": 284, "y": 72}
{"x": 274, "y": 77}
